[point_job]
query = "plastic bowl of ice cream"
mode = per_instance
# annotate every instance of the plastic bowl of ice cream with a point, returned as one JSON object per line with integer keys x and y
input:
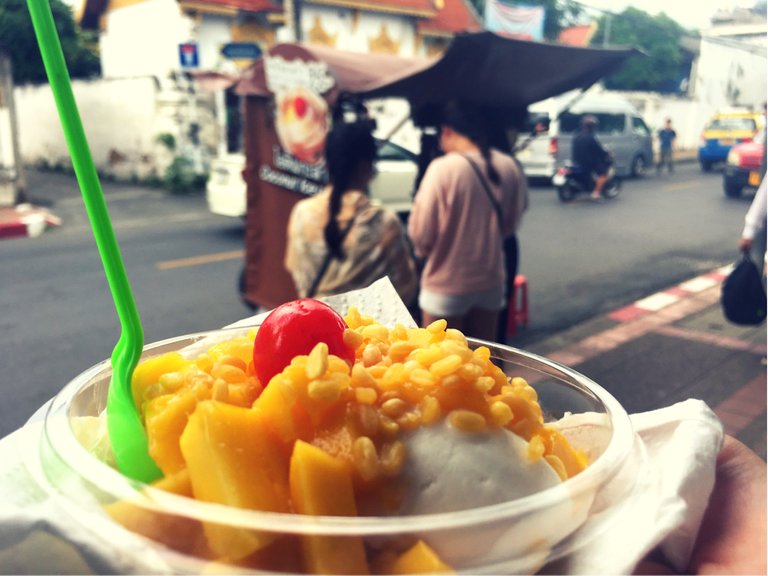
{"x": 520, "y": 535}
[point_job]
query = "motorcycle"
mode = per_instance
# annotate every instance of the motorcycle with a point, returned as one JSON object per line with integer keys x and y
{"x": 571, "y": 180}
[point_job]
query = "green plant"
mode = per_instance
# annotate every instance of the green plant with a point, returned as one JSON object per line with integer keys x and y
{"x": 181, "y": 178}
{"x": 168, "y": 140}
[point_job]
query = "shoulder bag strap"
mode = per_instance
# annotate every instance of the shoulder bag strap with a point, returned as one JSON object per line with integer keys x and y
{"x": 327, "y": 261}
{"x": 491, "y": 198}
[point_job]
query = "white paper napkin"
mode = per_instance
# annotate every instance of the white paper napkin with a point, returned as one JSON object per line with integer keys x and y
{"x": 38, "y": 535}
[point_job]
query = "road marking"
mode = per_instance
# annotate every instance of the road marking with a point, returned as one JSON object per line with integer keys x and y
{"x": 200, "y": 260}
{"x": 681, "y": 186}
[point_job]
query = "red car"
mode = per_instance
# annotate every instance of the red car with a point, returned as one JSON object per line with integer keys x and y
{"x": 745, "y": 166}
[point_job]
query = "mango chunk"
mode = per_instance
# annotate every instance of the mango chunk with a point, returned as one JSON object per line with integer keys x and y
{"x": 321, "y": 485}
{"x": 233, "y": 460}
{"x": 148, "y": 372}
{"x": 419, "y": 559}
{"x": 165, "y": 419}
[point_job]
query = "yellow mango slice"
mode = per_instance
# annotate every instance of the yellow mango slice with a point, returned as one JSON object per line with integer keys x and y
{"x": 233, "y": 460}
{"x": 165, "y": 419}
{"x": 284, "y": 415}
{"x": 148, "y": 372}
{"x": 419, "y": 559}
{"x": 321, "y": 485}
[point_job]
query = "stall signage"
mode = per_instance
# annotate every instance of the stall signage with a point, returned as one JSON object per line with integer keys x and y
{"x": 188, "y": 55}
{"x": 241, "y": 51}
{"x": 301, "y": 121}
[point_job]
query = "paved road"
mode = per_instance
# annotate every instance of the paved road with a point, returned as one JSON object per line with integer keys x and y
{"x": 581, "y": 260}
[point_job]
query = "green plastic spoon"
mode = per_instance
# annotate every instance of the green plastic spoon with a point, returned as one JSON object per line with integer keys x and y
{"x": 126, "y": 433}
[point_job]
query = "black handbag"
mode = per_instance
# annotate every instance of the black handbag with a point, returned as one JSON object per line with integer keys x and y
{"x": 743, "y": 294}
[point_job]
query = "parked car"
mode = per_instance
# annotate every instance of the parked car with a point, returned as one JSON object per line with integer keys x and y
{"x": 723, "y": 131}
{"x": 396, "y": 169}
{"x": 745, "y": 166}
{"x": 621, "y": 130}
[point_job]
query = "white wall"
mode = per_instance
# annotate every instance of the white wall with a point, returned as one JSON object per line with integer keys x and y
{"x": 122, "y": 119}
{"x": 731, "y": 75}
{"x": 142, "y": 39}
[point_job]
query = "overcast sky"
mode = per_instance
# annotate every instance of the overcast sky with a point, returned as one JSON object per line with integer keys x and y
{"x": 693, "y": 14}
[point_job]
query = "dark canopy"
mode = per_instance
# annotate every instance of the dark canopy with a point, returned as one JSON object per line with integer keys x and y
{"x": 480, "y": 67}
{"x": 502, "y": 72}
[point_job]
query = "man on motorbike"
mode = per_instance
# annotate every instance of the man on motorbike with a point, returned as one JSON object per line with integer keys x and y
{"x": 589, "y": 154}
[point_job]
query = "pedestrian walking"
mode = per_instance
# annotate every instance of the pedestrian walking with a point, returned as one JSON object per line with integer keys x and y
{"x": 667, "y": 136}
{"x": 469, "y": 202}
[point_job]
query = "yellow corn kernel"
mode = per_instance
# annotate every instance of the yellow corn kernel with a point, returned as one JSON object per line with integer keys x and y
{"x": 353, "y": 318}
{"x": 471, "y": 372}
{"x": 336, "y": 364}
{"x": 317, "y": 363}
{"x": 501, "y": 413}
{"x": 485, "y": 384}
{"x": 388, "y": 426}
{"x": 228, "y": 373}
{"x": 467, "y": 420}
{"x": 361, "y": 377}
{"x": 233, "y": 361}
{"x": 482, "y": 353}
{"x": 365, "y": 459}
{"x": 456, "y": 336}
{"x": 394, "y": 376}
{"x": 427, "y": 356}
{"x": 371, "y": 355}
{"x": 409, "y": 421}
{"x": 392, "y": 458}
{"x": 422, "y": 377}
{"x": 352, "y": 339}
{"x": 366, "y": 396}
{"x": 451, "y": 347}
{"x": 399, "y": 351}
{"x": 394, "y": 407}
{"x": 437, "y": 326}
{"x": 430, "y": 410}
{"x": 378, "y": 371}
{"x": 375, "y": 332}
{"x": 399, "y": 332}
{"x": 446, "y": 366}
{"x": 535, "y": 448}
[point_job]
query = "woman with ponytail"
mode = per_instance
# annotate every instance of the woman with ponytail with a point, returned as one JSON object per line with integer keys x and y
{"x": 339, "y": 240}
{"x": 469, "y": 202}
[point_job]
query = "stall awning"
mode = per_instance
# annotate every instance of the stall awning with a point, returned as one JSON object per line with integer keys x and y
{"x": 481, "y": 67}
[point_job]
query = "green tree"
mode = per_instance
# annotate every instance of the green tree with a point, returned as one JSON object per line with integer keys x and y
{"x": 665, "y": 63}
{"x": 17, "y": 36}
{"x": 559, "y": 13}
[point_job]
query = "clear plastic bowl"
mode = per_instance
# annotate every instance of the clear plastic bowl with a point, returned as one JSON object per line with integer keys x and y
{"x": 518, "y": 536}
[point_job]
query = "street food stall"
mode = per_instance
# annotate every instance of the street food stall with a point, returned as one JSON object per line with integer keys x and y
{"x": 293, "y": 92}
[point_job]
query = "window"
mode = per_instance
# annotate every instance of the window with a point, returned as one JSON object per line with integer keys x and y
{"x": 606, "y": 123}
{"x": 639, "y": 127}
{"x": 732, "y": 124}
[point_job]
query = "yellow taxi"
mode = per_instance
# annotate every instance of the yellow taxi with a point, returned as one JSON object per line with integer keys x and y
{"x": 723, "y": 131}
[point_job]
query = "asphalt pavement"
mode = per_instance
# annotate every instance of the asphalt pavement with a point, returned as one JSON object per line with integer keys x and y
{"x": 672, "y": 345}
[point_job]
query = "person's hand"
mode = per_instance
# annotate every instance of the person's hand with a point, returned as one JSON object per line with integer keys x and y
{"x": 745, "y": 244}
{"x": 732, "y": 536}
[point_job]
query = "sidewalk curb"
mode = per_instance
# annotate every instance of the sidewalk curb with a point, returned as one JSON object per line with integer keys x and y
{"x": 26, "y": 220}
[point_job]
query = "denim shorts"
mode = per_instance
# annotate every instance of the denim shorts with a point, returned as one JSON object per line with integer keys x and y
{"x": 451, "y": 305}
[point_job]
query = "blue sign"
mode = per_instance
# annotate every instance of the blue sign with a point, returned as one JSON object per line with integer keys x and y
{"x": 241, "y": 51}
{"x": 188, "y": 55}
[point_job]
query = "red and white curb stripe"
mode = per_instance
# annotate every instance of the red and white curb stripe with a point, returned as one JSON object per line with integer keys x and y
{"x": 657, "y": 302}
{"x": 26, "y": 220}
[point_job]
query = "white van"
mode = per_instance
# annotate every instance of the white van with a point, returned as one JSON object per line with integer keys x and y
{"x": 620, "y": 130}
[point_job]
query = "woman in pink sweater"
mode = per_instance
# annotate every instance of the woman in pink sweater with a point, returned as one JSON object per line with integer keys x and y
{"x": 468, "y": 202}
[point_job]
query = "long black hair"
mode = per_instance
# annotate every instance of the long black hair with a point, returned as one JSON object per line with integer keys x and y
{"x": 346, "y": 147}
{"x": 475, "y": 123}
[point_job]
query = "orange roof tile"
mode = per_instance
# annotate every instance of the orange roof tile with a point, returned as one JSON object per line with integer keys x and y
{"x": 423, "y": 8}
{"x": 579, "y": 35}
{"x": 455, "y": 16}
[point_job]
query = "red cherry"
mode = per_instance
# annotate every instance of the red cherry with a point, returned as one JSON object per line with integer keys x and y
{"x": 293, "y": 329}
{"x": 300, "y": 106}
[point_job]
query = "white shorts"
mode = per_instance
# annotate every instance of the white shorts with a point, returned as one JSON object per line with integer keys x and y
{"x": 451, "y": 305}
